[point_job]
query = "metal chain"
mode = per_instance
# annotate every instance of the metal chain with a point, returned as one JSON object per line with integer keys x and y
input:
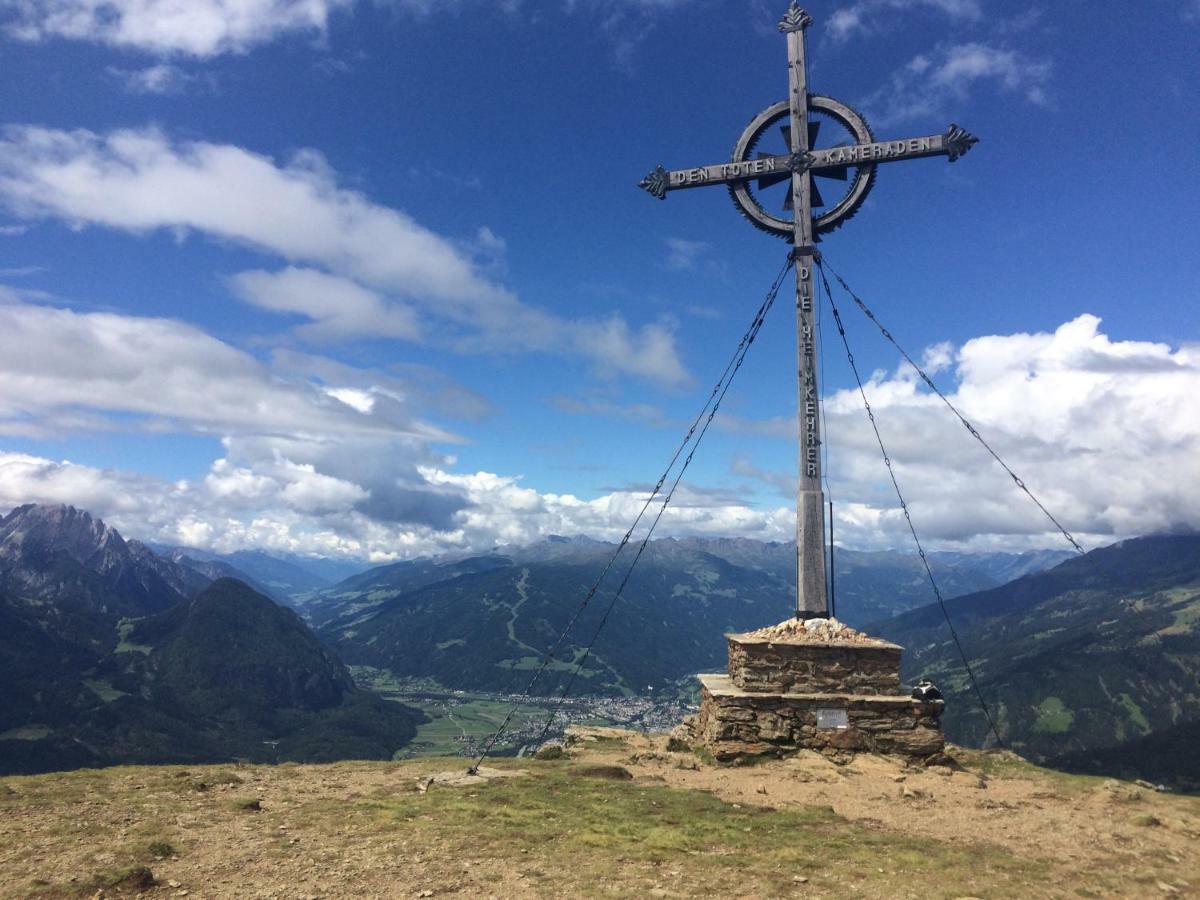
{"x": 715, "y": 397}
{"x": 887, "y": 461}
{"x": 966, "y": 424}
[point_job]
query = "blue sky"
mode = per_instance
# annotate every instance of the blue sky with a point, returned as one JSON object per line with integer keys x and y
{"x": 374, "y": 278}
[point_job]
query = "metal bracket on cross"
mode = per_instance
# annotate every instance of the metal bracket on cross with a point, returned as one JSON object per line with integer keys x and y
{"x": 802, "y": 158}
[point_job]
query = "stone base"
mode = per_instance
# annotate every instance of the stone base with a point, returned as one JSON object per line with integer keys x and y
{"x": 763, "y": 666}
{"x": 735, "y": 724}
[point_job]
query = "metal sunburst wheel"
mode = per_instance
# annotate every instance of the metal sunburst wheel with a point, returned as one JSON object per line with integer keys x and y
{"x": 754, "y": 201}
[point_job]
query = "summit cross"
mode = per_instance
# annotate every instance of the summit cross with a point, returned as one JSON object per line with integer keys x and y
{"x": 798, "y": 165}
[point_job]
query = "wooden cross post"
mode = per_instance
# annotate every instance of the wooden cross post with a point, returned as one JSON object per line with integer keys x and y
{"x": 798, "y": 166}
{"x": 811, "y": 597}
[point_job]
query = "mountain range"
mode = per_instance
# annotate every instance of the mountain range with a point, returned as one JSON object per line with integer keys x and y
{"x": 285, "y": 577}
{"x": 486, "y": 620}
{"x": 1089, "y": 662}
{"x": 1093, "y": 665}
{"x": 110, "y": 653}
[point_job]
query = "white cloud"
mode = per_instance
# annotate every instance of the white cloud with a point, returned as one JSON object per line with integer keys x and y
{"x": 140, "y": 181}
{"x": 312, "y": 446}
{"x": 1106, "y": 433}
{"x": 162, "y": 79}
{"x": 502, "y": 511}
{"x": 362, "y": 401}
{"x": 308, "y": 491}
{"x": 56, "y": 364}
{"x": 683, "y": 254}
{"x": 198, "y": 28}
{"x": 927, "y": 85}
{"x": 294, "y": 508}
{"x": 869, "y": 16}
{"x": 317, "y": 456}
{"x": 338, "y": 307}
{"x": 208, "y": 28}
{"x": 627, "y": 24}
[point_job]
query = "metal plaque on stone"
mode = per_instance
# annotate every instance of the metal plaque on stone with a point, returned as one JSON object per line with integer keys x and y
{"x": 832, "y": 719}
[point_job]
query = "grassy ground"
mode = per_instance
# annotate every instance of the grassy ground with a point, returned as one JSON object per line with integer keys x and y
{"x": 685, "y": 842}
{"x": 619, "y": 818}
{"x": 565, "y": 832}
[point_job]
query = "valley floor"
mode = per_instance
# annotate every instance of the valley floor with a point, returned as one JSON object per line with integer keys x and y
{"x": 619, "y": 817}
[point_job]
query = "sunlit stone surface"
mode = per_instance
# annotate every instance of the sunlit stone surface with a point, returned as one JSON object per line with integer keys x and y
{"x": 815, "y": 685}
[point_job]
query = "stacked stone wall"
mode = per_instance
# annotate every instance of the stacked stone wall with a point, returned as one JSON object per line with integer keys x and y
{"x": 770, "y": 668}
{"x": 735, "y": 724}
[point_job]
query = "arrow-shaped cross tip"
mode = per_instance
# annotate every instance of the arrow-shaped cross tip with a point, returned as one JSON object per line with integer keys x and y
{"x": 958, "y": 141}
{"x": 656, "y": 183}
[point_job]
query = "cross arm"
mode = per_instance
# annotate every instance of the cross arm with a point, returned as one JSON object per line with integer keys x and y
{"x": 952, "y": 144}
{"x": 661, "y": 180}
{"x": 955, "y": 142}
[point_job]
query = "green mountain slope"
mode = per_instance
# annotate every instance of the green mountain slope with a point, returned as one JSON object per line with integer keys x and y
{"x": 1170, "y": 756}
{"x": 1078, "y": 662}
{"x": 377, "y": 585}
{"x": 228, "y": 674}
{"x": 487, "y": 630}
{"x": 482, "y": 622}
{"x": 107, "y": 657}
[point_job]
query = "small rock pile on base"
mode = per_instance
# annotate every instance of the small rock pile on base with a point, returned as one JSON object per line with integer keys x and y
{"x": 816, "y": 685}
{"x": 802, "y": 631}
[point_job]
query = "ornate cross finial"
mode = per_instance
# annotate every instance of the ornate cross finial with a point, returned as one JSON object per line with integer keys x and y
{"x": 958, "y": 141}
{"x": 656, "y": 183}
{"x": 795, "y": 19}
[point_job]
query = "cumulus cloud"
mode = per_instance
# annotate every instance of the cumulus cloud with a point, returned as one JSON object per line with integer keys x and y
{"x": 928, "y": 84}
{"x": 317, "y": 456}
{"x": 311, "y": 446}
{"x": 198, "y": 28}
{"x": 208, "y": 28}
{"x": 141, "y": 181}
{"x": 292, "y": 508}
{"x": 338, "y": 307}
{"x": 56, "y": 364}
{"x": 1106, "y": 433}
{"x": 374, "y": 258}
{"x": 868, "y": 16}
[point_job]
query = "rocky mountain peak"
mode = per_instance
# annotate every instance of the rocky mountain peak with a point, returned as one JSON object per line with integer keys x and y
{"x": 64, "y": 530}
{"x": 74, "y": 557}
